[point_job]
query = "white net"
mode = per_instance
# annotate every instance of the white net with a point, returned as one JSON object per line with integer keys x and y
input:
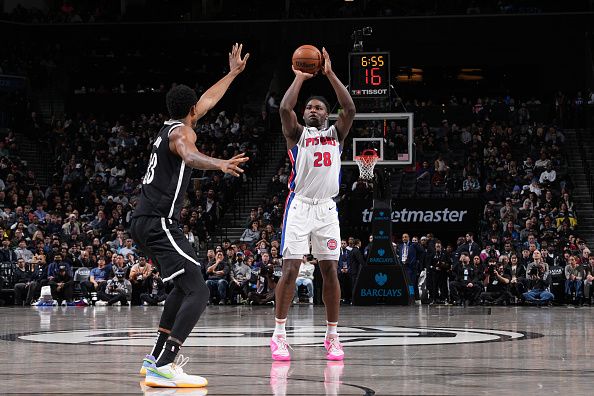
{"x": 366, "y": 163}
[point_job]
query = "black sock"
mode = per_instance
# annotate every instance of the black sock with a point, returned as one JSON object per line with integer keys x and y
{"x": 159, "y": 342}
{"x": 169, "y": 353}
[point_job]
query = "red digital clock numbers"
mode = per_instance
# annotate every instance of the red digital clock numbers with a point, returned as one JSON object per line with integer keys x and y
{"x": 369, "y": 74}
{"x": 373, "y": 76}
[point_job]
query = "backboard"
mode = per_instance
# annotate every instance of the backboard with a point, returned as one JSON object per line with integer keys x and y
{"x": 389, "y": 134}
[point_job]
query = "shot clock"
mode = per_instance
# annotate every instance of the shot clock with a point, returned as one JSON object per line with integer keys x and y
{"x": 369, "y": 74}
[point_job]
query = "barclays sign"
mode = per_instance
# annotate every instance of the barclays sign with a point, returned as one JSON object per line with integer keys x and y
{"x": 381, "y": 260}
{"x": 380, "y": 279}
{"x": 381, "y": 235}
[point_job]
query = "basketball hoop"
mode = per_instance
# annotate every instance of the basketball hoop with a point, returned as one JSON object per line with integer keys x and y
{"x": 366, "y": 162}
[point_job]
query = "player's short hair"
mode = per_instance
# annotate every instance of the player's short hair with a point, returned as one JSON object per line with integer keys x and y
{"x": 179, "y": 100}
{"x": 321, "y": 99}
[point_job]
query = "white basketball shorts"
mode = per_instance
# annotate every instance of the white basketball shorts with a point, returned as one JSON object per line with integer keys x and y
{"x": 309, "y": 221}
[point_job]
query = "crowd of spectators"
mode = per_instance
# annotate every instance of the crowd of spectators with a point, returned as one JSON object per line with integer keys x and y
{"x": 82, "y": 218}
{"x": 100, "y": 11}
{"x": 499, "y": 273}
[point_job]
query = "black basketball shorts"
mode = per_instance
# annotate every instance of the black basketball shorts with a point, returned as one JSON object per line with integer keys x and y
{"x": 163, "y": 241}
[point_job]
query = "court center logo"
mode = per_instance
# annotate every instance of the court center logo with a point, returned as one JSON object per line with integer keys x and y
{"x": 306, "y": 336}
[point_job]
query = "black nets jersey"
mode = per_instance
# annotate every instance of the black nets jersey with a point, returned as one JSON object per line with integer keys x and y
{"x": 166, "y": 179}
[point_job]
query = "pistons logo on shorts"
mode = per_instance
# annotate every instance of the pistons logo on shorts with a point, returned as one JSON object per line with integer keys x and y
{"x": 332, "y": 244}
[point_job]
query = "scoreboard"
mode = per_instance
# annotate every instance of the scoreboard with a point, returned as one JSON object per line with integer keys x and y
{"x": 369, "y": 74}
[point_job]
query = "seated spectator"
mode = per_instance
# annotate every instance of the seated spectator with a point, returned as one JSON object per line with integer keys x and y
{"x": 272, "y": 234}
{"x": 240, "y": 276}
{"x": 71, "y": 227}
{"x": 465, "y": 285}
{"x": 589, "y": 279}
{"x": 23, "y": 252}
{"x": 53, "y": 268}
{"x": 538, "y": 282}
{"x": 496, "y": 283}
{"x": 471, "y": 184}
{"x": 119, "y": 262}
{"x": 517, "y": 273}
{"x": 97, "y": 279}
{"x": 117, "y": 291}
{"x": 574, "y": 276}
{"x": 425, "y": 172}
{"x": 6, "y": 253}
{"x": 508, "y": 212}
{"x": 217, "y": 279}
{"x": 39, "y": 276}
{"x": 128, "y": 248}
{"x": 62, "y": 285}
{"x": 251, "y": 235}
{"x": 154, "y": 289}
{"x": 265, "y": 286}
{"x": 138, "y": 274}
{"x": 190, "y": 237}
{"x": 254, "y": 270}
{"x": 22, "y": 278}
{"x": 489, "y": 251}
{"x": 566, "y": 216}
{"x": 305, "y": 278}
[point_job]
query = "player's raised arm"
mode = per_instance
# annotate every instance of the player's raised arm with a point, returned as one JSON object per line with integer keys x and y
{"x": 347, "y": 115}
{"x": 212, "y": 95}
{"x": 182, "y": 142}
{"x": 291, "y": 127}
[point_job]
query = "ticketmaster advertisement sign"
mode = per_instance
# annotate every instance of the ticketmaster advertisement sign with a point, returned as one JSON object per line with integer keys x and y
{"x": 445, "y": 218}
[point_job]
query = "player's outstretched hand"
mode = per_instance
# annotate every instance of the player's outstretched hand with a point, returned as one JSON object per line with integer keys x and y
{"x": 236, "y": 64}
{"x": 231, "y": 166}
{"x": 327, "y": 66}
{"x": 299, "y": 73}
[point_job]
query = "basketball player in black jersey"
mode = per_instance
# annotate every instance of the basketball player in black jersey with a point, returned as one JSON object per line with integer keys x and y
{"x": 156, "y": 228}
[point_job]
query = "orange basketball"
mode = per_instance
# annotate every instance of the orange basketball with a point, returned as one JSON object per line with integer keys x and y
{"x": 307, "y": 58}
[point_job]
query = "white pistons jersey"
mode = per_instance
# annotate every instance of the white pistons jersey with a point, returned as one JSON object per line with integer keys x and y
{"x": 316, "y": 164}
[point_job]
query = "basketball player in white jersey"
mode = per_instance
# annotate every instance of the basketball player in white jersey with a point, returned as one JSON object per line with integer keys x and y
{"x": 310, "y": 212}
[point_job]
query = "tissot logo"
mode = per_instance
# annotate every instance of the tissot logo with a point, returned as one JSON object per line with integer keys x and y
{"x": 374, "y": 91}
{"x": 306, "y": 336}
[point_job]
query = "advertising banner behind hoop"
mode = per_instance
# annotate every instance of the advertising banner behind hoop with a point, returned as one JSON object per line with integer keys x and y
{"x": 445, "y": 218}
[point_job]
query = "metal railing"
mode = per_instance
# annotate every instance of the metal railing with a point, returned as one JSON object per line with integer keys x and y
{"x": 585, "y": 164}
{"x": 247, "y": 190}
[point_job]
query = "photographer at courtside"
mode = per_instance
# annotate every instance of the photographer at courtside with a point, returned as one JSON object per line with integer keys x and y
{"x": 538, "y": 281}
{"x": 496, "y": 283}
{"x": 466, "y": 283}
{"x": 154, "y": 289}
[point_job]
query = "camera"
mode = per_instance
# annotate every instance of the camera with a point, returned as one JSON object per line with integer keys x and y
{"x": 491, "y": 270}
{"x": 534, "y": 271}
{"x": 266, "y": 270}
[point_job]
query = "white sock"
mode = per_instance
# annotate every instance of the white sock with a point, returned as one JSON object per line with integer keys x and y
{"x": 279, "y": 328}
{"x": 331, "y": 329}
